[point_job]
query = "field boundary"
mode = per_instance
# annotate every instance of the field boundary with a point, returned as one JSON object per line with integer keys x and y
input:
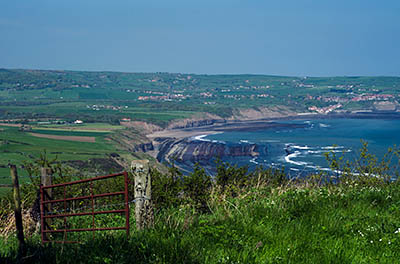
{"x": 69, "y": 138}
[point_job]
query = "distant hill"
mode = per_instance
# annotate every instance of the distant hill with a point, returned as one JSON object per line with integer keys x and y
{"x": 162, "y": 97}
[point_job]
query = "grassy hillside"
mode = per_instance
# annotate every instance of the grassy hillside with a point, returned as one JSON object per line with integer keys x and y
{"x": 237, "y": 216}
{"x": 283, "y": 224}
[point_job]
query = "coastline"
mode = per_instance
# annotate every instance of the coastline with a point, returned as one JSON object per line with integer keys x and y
{"x": 191, "y": 144}
{"x": 259, "y": 124}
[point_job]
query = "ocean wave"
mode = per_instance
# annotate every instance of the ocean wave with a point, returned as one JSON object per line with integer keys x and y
{"x": 323, "y": 125}
{"x": 301, "y": 147}
{"x": 202, "y": 138}
{"x": 245, "y": 141}
{"x": 253, "y": 160}
{"x": 326, "y": 150}
{"x": 289, "y": 158}
{"x": 296, "y": 151}
{"x": 284, "y": 131}
{"x": 333, "y": 147}
{"x": 316, "y": 151}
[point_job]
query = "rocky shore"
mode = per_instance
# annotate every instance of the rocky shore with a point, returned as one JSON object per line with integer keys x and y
{"x": 185, "y": 145}
{"x": 194, "y": 150}
{"x": 180, "y": 142}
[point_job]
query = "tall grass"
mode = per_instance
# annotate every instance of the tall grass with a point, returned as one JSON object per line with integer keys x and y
{"x": 293, "y": 224}
{"x": 247, "y": 217}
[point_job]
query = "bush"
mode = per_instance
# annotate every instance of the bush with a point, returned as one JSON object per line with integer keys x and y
{"x": 166, "y": 189}
{"x": 197, "y": 187}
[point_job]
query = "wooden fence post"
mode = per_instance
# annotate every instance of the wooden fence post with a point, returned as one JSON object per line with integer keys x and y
{"x": 46, "y": 179}
{"x": 143, "y": 205}
{"x": 17, "y": 210}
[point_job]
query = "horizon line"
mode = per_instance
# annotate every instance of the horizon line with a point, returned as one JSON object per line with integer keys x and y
{"x": 209, "y": 74}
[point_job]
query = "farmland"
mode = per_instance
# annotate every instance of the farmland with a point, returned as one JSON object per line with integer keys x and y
{"x": 18, "y": 146}
{"x": 162, "y": 97}
{"x": 49, "y": 102}
{"x": 237, "y": 216}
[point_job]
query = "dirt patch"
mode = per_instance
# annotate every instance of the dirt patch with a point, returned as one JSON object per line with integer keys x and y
{"x": 81, "y": 129}
{"x": 262, "y": 113}
{"x": 10, "y": 124}
{"x": 70, "y": 138}
{"x": 142, "y": 126}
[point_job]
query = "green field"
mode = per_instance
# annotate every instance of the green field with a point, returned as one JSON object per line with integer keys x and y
{"x": 87, "y": 127}
{"x": 17, "y": 147}
{"x": 159, "y": 98}
{"x": 65, "y": 132}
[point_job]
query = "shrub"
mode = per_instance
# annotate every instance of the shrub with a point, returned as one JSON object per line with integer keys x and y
{"x": 197, "y": 187}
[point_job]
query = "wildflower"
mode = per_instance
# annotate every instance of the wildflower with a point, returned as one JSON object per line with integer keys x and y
{"x": 380, "y": 240}
{"x": 259, "y": 244}
{"x": 389, "y": 242}
{"x": 397, "y": 231}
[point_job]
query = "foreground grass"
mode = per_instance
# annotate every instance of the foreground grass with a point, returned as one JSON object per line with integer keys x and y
{"x": 330, "y": 224}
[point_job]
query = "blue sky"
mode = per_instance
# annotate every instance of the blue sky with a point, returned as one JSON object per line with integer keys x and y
{"x": 280, "y": 37}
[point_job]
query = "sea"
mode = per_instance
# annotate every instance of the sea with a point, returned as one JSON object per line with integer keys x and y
{"x": 301, "y": 149}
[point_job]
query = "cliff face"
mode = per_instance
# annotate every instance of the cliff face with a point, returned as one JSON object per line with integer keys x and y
{"x": 184, "y": 150}
{"x": 202, "y": 119}
{"x": 193, "y": 123}
{"x": 144, "y": 147}
{"x": 207, "y": 119}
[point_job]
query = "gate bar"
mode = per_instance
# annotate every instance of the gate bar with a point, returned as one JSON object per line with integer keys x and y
{"x": 48, "y": 215}
{"x": 126, "y": 204}
{"x": 85, "y": 213}
{"x": 83, "y": 229}
{"x": 84, "y": 180}
{"x": 84, "y": 197}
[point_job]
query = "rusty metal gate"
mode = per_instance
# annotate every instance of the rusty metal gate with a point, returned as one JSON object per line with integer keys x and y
{"x": 47, "y": 202}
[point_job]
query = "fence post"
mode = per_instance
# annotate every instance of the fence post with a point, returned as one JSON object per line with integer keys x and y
{"x": 46, "y": 179}
{"x": 143, "y": 205}
{"x": 17, "y": 210}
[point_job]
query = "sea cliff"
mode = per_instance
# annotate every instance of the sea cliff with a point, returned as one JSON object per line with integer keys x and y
{"x": 193, "y": 150}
